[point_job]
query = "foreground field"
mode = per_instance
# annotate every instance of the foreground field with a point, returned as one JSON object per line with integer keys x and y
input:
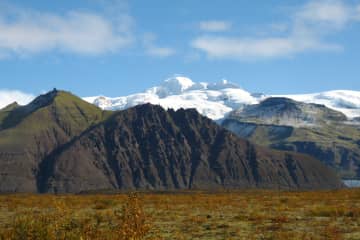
{"x": 186, "y": 215}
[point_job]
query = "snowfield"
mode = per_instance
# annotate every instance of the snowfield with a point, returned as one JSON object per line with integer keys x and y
{"x": 213, "y": 100}
{"x": 216, "y": 100}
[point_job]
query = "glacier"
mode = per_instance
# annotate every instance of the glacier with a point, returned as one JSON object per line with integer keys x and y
{"x": 213, "y": 100}
{"x": 216, "y": 100}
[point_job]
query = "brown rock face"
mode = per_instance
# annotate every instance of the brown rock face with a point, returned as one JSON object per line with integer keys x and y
{"x": 147, "y": 147}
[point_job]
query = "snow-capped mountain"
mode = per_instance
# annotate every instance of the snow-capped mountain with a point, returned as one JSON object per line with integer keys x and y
{"x": 213, "y": 100}
{"x": 345, "y": 101}
{"x": 216, "y": 100}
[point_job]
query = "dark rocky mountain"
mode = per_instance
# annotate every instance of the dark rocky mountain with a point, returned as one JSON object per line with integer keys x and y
{"x": 147, "y": 147}
{"x": 59, "y": 143}
{"x": 312, "y": 129}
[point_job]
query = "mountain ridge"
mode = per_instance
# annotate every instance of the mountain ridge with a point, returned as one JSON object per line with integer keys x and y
{"x": 65, "y": 144}
{"x": 216, "y": 100}
{"x": 158, "y": 149}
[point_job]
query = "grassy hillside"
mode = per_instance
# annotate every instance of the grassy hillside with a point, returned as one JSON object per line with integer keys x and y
{"x": 28, "y": 133}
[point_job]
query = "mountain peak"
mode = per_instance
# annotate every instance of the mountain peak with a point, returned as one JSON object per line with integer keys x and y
{"x": 279, "y": 101}
{"x": 47, "y": 99}
{"x": 288, "y": 112}
{"x": 172, "y": 86}
{"x": 179, "y": 81}
{"x": 52, "y": 102}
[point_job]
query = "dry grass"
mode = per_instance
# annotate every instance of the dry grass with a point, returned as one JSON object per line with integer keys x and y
{"x": 186, "y": 215}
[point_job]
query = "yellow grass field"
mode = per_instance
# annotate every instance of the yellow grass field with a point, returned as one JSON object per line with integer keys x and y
{"x": 250, "y": 215}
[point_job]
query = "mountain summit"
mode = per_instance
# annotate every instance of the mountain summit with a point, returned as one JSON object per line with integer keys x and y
{"x": 172, "y": 86}
{"x": 213, "y": 100}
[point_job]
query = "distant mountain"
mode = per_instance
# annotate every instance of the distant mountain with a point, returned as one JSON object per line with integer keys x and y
{"x": 216, "y": 100}
{"x": 284, "y": 111}
{"x": 345, "y": 101}
{"x": 213, "y": 100}
{"x": 60, "y": 143}
{"x": 312, "y": 129}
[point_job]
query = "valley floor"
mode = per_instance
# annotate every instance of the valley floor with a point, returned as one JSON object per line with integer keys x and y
{"x": 185, "y": 215}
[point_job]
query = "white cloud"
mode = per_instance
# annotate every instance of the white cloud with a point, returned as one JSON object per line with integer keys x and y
{"x": 156, "y": 51}
{"x": 332, "y": 12}
{"x": 224, "y": 47}
{"x": 9, "y": 96}
{"x": 307, "y": 32}
{"x": 215, "y": 26}
{"x": 25, "y": 32}
{"x": 160, "y": 51}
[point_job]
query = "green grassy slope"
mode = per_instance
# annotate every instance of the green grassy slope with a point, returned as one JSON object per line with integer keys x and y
{"x": 4, "y": 112}
{"x": 28, "y": 133}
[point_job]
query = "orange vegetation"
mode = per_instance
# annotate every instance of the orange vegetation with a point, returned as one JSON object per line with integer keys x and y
{"x": 250, "y": 215}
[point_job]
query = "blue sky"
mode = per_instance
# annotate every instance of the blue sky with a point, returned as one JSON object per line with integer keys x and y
{"x": 115, "y": 48}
